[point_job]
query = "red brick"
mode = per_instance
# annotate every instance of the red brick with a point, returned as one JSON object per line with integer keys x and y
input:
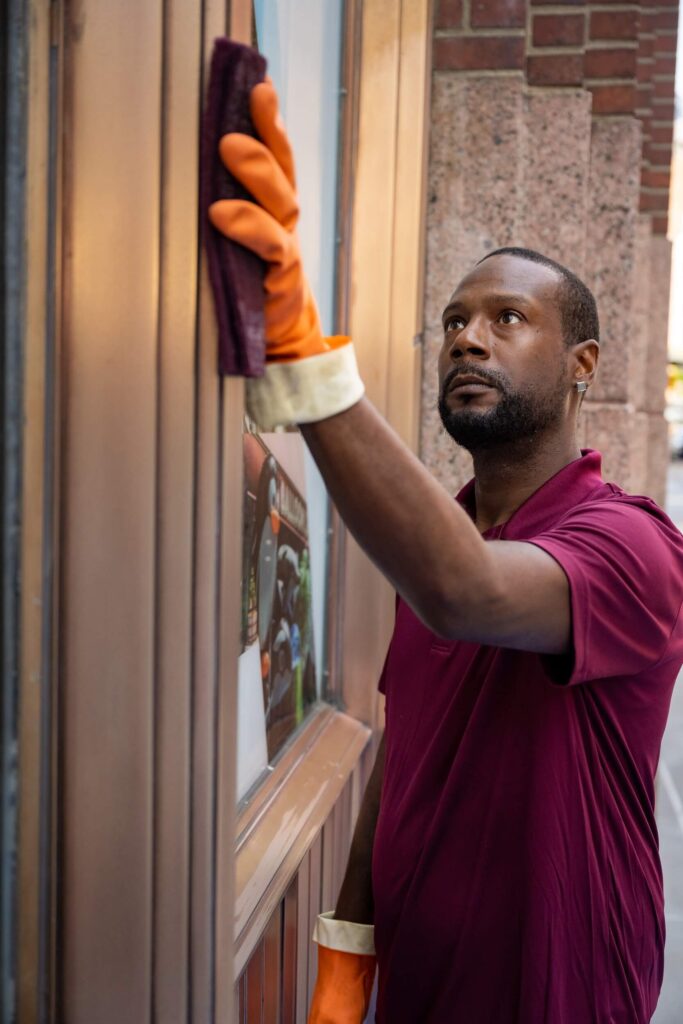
{"x": 661, "y": 135}
{"x": 448, "y": 14}
{"x": 665, "y": 64}
{"x": 659, "y": 3}
{"x": 614, "y": 25}
{"x": 665, "y": 44}
{"x": 646, "y": 69}
{"x": 613, "y": 99}
{"x": 646, "y": 47}
{"x": 555, "y": 69}
{"x": 644, "y": 98}
{"x": 558, "y": 29}
{"x": 660, "y": 225}
{"x": 565, "y": 3}
{"x": 648, "y": 22}
{"x": 498, "y": 13}
{"x": 664, "y": 89}
{"x": 610, "y": 63}
{"x": 662, "y": 110}
{"x": 656, "y": 201}
{"x": 655, "y": 179}
{"x": 658, "y": 155}
{"x": 666, "y": 19}
{"x": 479, "y": 53}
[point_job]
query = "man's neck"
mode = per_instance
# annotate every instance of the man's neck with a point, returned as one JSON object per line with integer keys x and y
{"x": 505, "y": 477}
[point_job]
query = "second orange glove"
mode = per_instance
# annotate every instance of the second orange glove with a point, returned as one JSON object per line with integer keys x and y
{"x": 346, "y": 971}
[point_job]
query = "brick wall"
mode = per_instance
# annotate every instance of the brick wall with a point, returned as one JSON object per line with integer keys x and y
{"x": 559, "y": 120}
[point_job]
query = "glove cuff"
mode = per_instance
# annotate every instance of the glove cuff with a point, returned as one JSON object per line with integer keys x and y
{"x": 305, "y": 390}
{"x": 344, "y": 936}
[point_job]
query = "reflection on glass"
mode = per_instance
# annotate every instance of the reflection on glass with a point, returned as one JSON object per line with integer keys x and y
{"x": 277, "y": 601}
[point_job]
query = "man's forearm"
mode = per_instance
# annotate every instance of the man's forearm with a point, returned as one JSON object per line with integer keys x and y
{"x": 406, "y": 522}
{"x": 355, "y": 902}
{"x": 507, "y": 593}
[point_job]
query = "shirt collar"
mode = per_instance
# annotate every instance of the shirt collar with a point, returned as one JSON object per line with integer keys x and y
{"x": 567, "y": 488}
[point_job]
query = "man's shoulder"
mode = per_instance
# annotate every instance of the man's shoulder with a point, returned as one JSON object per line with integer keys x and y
{"x": 609, "y": 511}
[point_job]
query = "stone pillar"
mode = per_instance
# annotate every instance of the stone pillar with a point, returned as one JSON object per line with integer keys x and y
{"x": 551, "y": 128}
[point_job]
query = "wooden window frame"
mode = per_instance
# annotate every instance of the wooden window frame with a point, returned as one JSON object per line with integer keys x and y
{"x": 386, "y": 73}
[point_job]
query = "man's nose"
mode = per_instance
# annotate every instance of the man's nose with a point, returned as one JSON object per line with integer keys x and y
{"x": 472, "y": 340}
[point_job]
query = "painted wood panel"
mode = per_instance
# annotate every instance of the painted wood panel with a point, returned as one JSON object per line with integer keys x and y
{"x": 289, "y": 957}
{"x": 279, "y": 977}
{"x": 272, "y": 968}
{"x": 37, "y": 542}
{"x": 174, "y": 507}
{"x": 150, "y": 481}
{"x": 387, "y": 258}
{"x": 207, "y": 542}
{"x": 110, "y": 331}
{"x": 302, "y": 941}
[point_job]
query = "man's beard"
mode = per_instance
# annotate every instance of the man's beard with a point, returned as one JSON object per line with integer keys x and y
{"x": 517, "y": 417}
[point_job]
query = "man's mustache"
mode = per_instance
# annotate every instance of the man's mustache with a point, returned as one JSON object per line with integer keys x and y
{"x": 492, "y": 377}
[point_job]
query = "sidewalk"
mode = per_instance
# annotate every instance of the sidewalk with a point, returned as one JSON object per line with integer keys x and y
{"x": 670, "y": 819}
{"x": 670, "y": 822}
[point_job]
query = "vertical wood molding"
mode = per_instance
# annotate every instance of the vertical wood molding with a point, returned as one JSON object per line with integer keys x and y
{"x": 303, "y": 940}
{"x": 174, "y": 508}
{"x": 110, "y": 333}
{"x": 408, "y": 244}
{"x": 36, "y": 605}
{"x": 373, "y": 206}
{"x": 387, "y": 267}
{"x": 229, "y": 650}
{"x": 231, "y": 504}
{"x": 206, "y": 595}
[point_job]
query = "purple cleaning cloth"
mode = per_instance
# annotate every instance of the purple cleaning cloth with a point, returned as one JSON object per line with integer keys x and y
{"x": 236, "y": 274}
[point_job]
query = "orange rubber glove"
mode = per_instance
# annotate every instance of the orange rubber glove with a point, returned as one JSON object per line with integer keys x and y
{"x": 308, "y": 377}
{"x": 346, "y": 972}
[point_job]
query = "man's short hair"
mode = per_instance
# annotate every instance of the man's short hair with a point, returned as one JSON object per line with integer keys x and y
{"x": 578, "y": 308}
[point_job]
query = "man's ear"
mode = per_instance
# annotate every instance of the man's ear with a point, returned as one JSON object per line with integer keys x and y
{"x": 586, "y": 355}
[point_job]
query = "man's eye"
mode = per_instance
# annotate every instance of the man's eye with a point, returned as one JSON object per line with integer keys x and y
{"x": 508, "y": 316}
{"x": 454, "y": 323}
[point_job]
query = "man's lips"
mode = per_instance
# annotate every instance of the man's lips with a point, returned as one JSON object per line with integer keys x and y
{"x": 468, "y": 384}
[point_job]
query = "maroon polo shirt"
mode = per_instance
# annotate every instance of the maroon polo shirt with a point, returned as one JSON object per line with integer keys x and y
{"x": 516, "y": 870}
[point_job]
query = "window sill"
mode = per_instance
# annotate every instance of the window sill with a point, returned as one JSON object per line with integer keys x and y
{"x": 276, "y": 832}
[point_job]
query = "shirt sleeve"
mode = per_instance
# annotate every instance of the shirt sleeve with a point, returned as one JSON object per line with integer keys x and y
{"x": 624, "y": 565}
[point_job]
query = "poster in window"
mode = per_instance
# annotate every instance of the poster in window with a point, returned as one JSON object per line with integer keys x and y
{"x": 277, "y": 664}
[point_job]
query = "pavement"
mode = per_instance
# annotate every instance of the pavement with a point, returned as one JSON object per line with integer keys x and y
{"x": 670, "y": 817}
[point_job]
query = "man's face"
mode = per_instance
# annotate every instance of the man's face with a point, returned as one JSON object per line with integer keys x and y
{"x": 503, "y": 366}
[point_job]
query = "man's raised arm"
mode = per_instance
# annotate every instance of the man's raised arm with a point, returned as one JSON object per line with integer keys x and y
{"x": 509, "y": 594}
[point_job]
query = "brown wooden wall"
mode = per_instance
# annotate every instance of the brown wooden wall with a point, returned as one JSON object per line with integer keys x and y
{"x": 144, "y": 897}
{"x": 150, "y": 526}
{"x": 276, "y": 985}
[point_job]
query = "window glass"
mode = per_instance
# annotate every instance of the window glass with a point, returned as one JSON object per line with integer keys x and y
{"x": 284, "y": 567}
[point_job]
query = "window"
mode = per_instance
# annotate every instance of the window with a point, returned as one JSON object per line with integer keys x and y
{"x": 282, "y": 665}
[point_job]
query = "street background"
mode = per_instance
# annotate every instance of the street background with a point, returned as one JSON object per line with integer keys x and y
{"x": 670, "y": 816}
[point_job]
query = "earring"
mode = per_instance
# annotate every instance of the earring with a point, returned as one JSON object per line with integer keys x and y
{"x": 581, "y": 386}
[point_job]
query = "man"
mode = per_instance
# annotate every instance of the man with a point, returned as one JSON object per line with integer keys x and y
{"x": 510, "y": 815}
